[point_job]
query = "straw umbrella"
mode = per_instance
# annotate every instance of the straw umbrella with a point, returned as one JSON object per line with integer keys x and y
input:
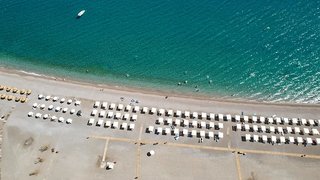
{"x": 14, "y": 90}
{"x": 17, "y": 99}
{"x": 22, "y": 91}
{"x": 29, "y": 92}
{"x": 8, "y": 89}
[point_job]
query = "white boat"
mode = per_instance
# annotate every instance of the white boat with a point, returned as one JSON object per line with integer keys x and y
{"x": 81, "y": 13}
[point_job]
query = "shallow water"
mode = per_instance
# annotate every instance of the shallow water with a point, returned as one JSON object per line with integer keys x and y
{"x": 266, "y": 51}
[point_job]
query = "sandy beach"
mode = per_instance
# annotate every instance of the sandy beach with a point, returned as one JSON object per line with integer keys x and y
{"x": 79, "y": 148}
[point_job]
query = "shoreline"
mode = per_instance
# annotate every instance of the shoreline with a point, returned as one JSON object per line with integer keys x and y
{"x": 200, "y": 97}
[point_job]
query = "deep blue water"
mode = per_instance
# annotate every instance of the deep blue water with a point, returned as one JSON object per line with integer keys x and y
{"x": 263, "y": 50}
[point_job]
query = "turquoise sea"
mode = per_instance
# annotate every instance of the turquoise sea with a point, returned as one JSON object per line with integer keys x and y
{"x": 259, "y": 50}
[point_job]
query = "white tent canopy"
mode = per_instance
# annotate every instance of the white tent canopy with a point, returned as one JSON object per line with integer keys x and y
{"x": 55, "y": 98}
{"x": 237, "y": 117}
{"x": 91, "y": 121}
{"x": 118, "y": 115}
{"x": 107, "y": 124}
{"x": 160, "y": 120}
{"x": 131, "y": 126}
{"x": 212, "y": 116}
{"x": 185, "y": 132}
{"x": 61, "y": 119}
{"x": 161, "y": 111}
{"x": 153, "y": 110}
{"x": 150, "y": 128}
{"x": 203, "y": 115}
{"x": 42, "y": 106}
{"x": 126, "y": 116}
{"x": 110, "y": 114}
{"x": 254, "y": 119}
{"x": 315, "y": 131}
{"x": 178, "y": 113}
{"x": 145, "y": 109}
{"x": 170, "y": 112}
{"x": 169, "y": 120}
{"x": 246, "y": 127}
{"x": 246, "y": 118}
{"x": 128, "y": 108}
{"x": 177, "y": 122}
{"x": 115, "y": 124}
{"x": 291, "y": 139}
{"x": 186, "y": 122}
{"x": 100, "y": 122}
{"x": 112, "y": 106}
{"x": 264, "y": 138}
{"x": 96, "y": 104}
{"x": 103, "y": 114}
{"x": 136, "y": 109}
{"x": 248, "y": 137}
{"x": 104, "y": 105}
{"x": 94, "y": 112}
{"x": 220, "y": 125}
{"x": 159, "y": 130}
{"x": 187, "y": 113}
{"x": 134, "y": 117}
{"x": 239, "y": 127}
{"x": 195, "y": 115}
{"x": 262, "y": 119}
{"x": 120, "y": 106}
